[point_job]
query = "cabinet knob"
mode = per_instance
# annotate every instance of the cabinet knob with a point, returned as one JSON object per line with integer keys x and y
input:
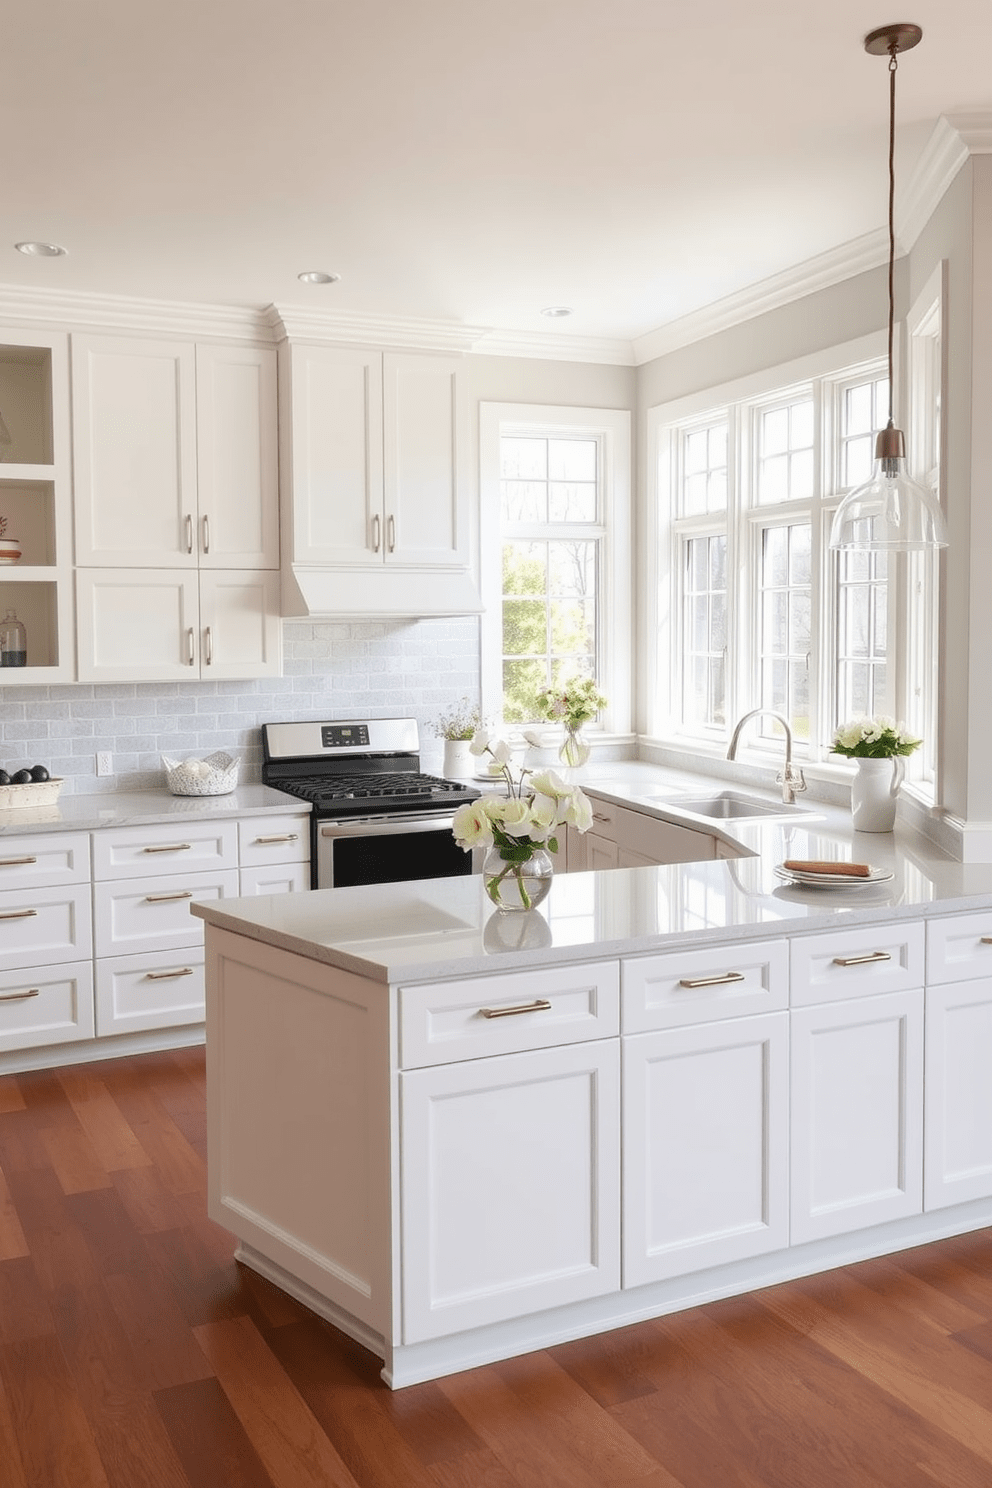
{"x": 869, "y": 960}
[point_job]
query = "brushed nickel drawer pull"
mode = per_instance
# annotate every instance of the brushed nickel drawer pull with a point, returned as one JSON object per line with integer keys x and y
{"x": 16, "y": 862}
{"x": 539, "y": 1005}
{"x": 208, "y": 646}
{"x": 206, "y": 534}
{"x": 169, "y": 847}
{"x": 391, "y": 530}
{"x": 985, "y": 940}
{"x": 19, "y": 996}
{"x": 189, "y": 532}
{"x": 376, "y": 532}
{"x": 17, "y": 914}
{"x": 190, "y": 647}
{"x": 597, "y": 817}
{"x": 164, "y": 976}
{"x": 712, "y": 981}
{"x": 161, "y": 898}
{"x": 869, "y": 960}
{"x": 282, "y": 837}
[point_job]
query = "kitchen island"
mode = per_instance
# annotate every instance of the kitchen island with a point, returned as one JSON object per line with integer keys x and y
{"x": 460, "y": 1136}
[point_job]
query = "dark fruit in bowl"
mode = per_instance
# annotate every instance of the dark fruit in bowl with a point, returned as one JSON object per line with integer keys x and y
{"x": 4, "y": 778}
{"x": 21, "y": 777}
{"x": 38, "y": 772}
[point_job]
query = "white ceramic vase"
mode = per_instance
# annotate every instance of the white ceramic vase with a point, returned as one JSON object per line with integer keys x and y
{"x": 459, "y": 763}
{"x": 873, "y": 793}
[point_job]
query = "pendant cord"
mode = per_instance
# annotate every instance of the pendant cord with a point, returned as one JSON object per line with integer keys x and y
{"x": 893, "y": 64}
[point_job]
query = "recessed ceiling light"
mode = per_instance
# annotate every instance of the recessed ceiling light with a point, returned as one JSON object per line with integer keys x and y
{"x": 318, "y": 276}
{"x": 556, "y": 312}
{"x": 41, "y": 250}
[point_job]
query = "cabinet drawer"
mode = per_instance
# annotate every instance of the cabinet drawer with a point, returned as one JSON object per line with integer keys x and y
{"x": 46, "y": 1005}
{"x": 690, "y": 986}
{"x": 856, "y": 963}
{"x": 59, "y": 858}
{"x": 273, "y": 839}
{"x": 156, "y": 990}
{"x": 152, "y": 914}
{"x": 277, "y": 878}
{"x": 959, "y": 947}
{"x": 444, "y": 1021}
{"x": 43, "y": 926}
{"x": 175, "y": 847}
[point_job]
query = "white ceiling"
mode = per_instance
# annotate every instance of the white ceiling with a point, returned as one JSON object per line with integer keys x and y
{"x": 460, "y": 161}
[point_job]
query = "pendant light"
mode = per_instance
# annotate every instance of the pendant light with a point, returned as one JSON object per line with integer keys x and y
{"x": 891, "y": 511}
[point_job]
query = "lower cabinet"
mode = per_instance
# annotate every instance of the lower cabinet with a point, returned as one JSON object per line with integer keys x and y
{"x": 958, "y": 1156}
{"x": 157, "y": 990}
{"x": 857, "y": 1113}
{"x": 511, "y": 1186}
{"x": 706, "y": 1145}
{"x": 43, "y": 1005}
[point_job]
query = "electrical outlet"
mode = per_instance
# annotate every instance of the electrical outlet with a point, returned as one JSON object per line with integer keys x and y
{"x": 105, "y": 763}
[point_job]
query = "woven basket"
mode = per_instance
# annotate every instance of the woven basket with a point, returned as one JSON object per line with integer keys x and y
{"x": 187, "y": 777}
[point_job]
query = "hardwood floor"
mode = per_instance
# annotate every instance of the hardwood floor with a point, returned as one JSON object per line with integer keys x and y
{"x": 134, "y": 1351}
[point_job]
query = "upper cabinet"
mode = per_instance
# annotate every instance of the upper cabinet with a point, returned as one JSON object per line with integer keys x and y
{"x": 35, "y": 500}
{"x": 377, "y": 512}
{"x": 174, "y": 452}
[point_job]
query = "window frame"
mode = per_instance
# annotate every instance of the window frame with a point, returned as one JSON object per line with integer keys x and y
{"x": 830, "y": 371}
{"x": 612, "y": 430}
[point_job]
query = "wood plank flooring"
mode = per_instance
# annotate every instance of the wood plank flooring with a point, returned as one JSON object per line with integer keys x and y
{"x": 134, "y": 1351}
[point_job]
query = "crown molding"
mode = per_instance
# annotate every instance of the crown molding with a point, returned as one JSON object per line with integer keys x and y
{"x": 955, "y": 137}
{"x": 555, "y": 347}
{"x": 791, "y": 284}
{"x": 31, "y": 307}
{"x": 301, "y": 323}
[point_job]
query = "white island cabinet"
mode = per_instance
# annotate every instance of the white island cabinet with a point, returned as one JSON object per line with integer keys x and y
{"x": 460, "y": 1136}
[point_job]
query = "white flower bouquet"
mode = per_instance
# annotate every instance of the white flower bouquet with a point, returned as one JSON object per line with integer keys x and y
{"x": 518, "y": 823}
{"x": 873, "y": 738}
{"x": 573, "y": 703}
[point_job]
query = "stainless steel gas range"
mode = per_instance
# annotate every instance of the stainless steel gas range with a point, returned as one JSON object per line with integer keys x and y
{"x": 375, "y": 817}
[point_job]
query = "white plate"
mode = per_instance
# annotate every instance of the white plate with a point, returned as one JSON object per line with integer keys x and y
{"x": 832, "y": 880}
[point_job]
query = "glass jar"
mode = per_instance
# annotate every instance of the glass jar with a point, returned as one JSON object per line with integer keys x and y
{"x": 517, "y": 885}
{"x": 13, "y": 642}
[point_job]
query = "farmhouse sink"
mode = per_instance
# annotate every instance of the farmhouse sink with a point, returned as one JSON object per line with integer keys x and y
{"x": 731, "y": 806}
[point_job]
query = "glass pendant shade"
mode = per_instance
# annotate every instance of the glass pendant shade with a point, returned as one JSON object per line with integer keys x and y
{"x": 891, "y": 510}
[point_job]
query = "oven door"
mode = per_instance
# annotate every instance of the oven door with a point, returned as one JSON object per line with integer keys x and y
{"x": 388, "y": 849}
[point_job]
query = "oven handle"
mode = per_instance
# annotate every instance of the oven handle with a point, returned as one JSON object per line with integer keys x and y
{"x": 382, "y": 826}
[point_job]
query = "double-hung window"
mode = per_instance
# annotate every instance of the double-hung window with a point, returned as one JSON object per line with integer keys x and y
{"x": 749, "y": 606}
{"x": 556, "y": 558}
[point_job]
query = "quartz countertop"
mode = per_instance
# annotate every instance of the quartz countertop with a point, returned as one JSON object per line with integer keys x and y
{"x": 143, "y": 808}
{"x": 448, "y": 927}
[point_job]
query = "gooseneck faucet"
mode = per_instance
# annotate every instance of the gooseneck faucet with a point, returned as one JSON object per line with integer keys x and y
{"x": 790, "y": 780}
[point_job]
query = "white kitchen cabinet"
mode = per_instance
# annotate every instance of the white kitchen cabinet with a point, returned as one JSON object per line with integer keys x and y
{"x": 376, "y": 501}
{"x": 706, "y": 1145}
{"x": 35, "y": 498}
{"x": 174, "y": 454}
{"x": 163, "y": 625}
{"x": 274, "y": 854}
{"x": 958, "y": 1112}
{"x": 857, "y": 1113}
{"x": 511, "y": 1184}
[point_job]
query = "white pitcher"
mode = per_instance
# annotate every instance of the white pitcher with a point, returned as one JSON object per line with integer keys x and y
{"x": 873, "y": 793}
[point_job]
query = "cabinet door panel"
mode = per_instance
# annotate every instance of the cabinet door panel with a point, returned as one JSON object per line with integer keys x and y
{"x": 857, "y": 1114}
{"x": 237, "y": 469}
{"x": 337, "y": 455}
{"x": 706, "y": 1146}
{"x": 134, "y": 415}
{"x": 958, "y": 1154}
{"x": 511, "y": 1186}
{"x": 240, "y": 631}
{"x": 46, "y": 1005}
{"x": 423, "y": 461}
{"x": 140, "y": 627}
{"x": 155, "y": 990}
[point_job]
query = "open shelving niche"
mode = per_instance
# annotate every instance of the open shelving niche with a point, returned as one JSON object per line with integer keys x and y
{"x": 35, "y": 499}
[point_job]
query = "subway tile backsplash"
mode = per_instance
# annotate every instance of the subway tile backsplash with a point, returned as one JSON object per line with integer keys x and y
{"x": 332, "y": 669}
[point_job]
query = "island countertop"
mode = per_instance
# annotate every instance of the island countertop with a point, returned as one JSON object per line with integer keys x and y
{"x": 432, "y": 929}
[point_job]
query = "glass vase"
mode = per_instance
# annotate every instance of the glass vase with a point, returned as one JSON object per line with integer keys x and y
{"x": 574, "y": 750}
{"x": 515, "y": 886}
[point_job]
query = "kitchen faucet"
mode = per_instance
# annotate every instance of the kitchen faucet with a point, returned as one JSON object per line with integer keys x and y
{"x": 790, "y": 780}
